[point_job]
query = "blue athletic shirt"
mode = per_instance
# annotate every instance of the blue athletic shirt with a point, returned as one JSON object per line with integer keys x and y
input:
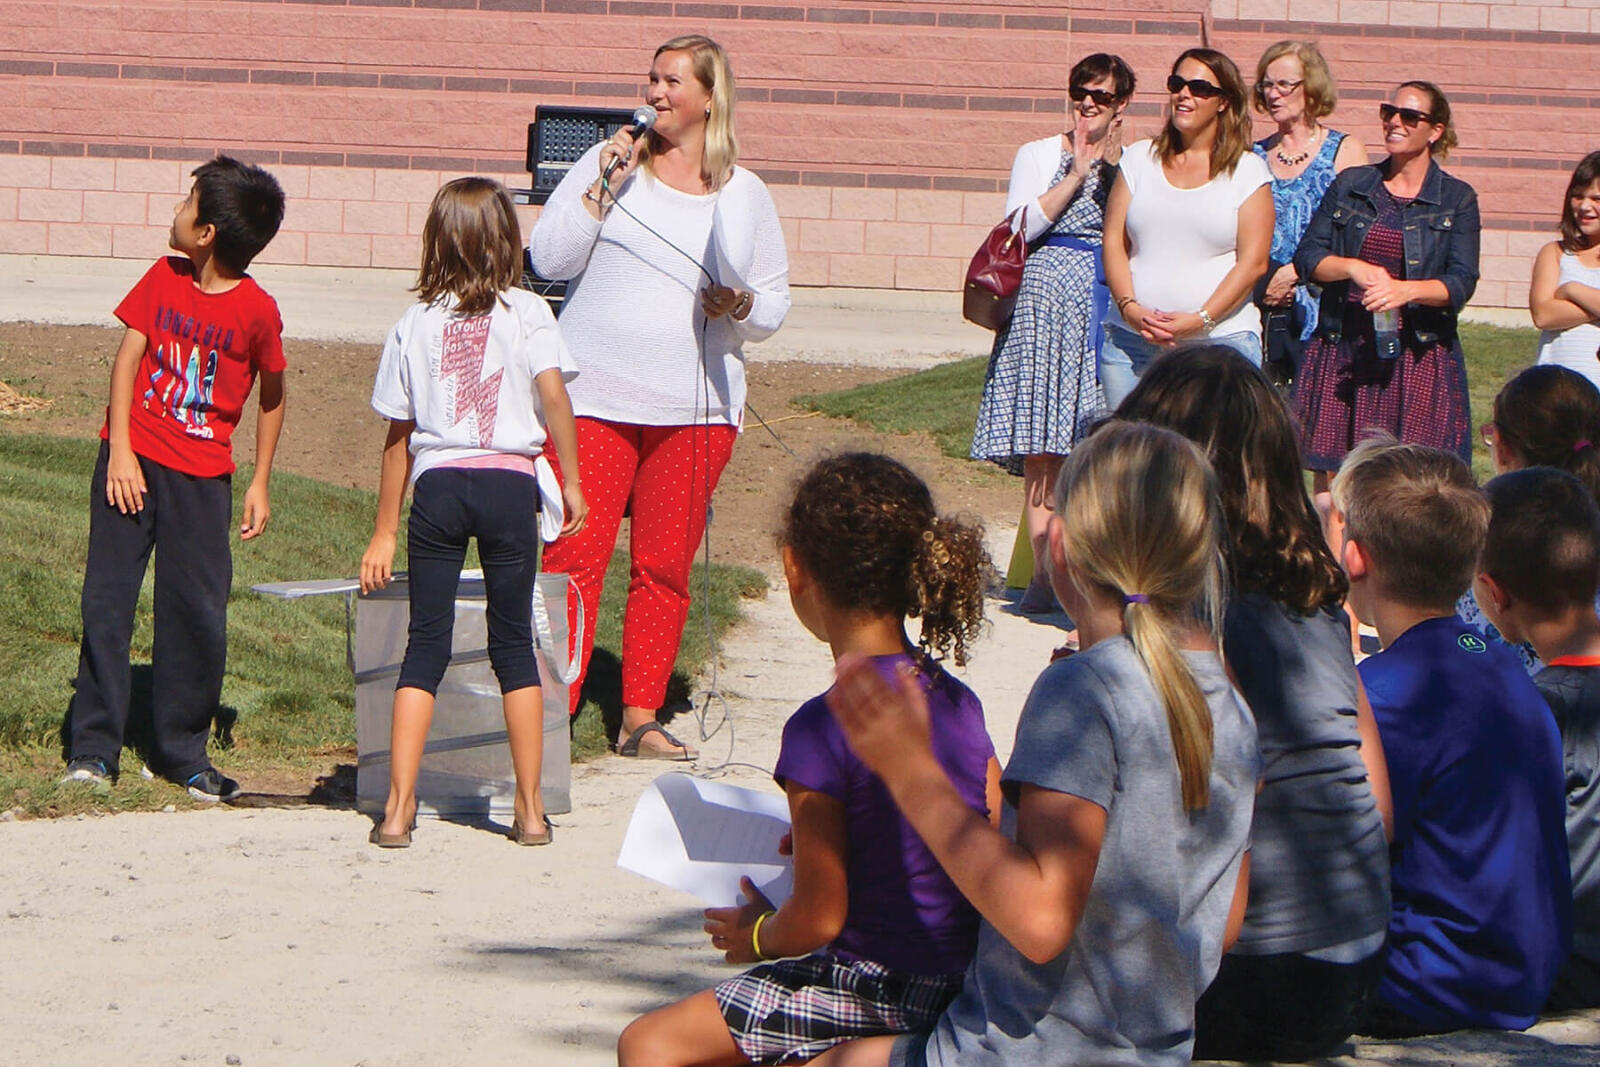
{"x": 1482, "y": 893}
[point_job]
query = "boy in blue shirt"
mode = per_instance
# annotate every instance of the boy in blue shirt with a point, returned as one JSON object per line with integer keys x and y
{"x": 1537, "y": 581}
{"x": 1482, "y": 895}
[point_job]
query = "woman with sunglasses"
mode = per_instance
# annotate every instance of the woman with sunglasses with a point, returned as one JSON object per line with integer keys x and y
{"x": 1188, "y": 228}
{"x": 1395, "y": 246}
{"x": 1295, "y": 89}
{"x": 1041, "y": 390}
{"x": 1565, "y": 295}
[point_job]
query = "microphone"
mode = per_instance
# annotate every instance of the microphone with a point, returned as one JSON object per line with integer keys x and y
{"x": 644, "y": 117}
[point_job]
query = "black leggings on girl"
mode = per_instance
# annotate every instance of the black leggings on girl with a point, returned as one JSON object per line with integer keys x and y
{"x": 501, "y": 509}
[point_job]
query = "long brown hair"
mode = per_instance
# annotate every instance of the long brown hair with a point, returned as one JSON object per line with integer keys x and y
{"x": 1233, "y": 121}
{"x": 1140, "y": 520}
{"x": 471, "y": 245}
{"x": 1223, "y": 403}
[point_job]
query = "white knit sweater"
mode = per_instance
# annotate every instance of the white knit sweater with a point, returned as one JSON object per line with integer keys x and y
{"x": 632, "y": 317}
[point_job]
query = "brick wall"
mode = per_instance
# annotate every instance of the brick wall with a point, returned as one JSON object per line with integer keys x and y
{"x": 885, "y": 128}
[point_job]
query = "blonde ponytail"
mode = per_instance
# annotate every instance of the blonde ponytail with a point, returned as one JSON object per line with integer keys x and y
{"x": 1141, "y": 520}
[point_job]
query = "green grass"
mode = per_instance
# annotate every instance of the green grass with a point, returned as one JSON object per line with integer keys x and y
{"x": 943, "y": 401}
{"x": 287, "y": 678}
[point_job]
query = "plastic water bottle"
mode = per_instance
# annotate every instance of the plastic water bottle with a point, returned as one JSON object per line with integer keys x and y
{"x": 1386, "y": 333}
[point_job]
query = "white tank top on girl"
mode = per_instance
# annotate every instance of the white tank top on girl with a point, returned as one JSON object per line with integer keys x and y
{"x": 1184, "y": 241}
{"x": 1578, "y": 347}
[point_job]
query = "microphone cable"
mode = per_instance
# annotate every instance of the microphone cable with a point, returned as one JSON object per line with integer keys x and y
{"x": 700, "y": 701}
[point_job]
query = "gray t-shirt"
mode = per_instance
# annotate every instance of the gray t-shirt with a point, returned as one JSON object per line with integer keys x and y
{"x": 1150, "y": 938}
{"x": 1573, "y": 693}
{"x": 1319, "y": 864}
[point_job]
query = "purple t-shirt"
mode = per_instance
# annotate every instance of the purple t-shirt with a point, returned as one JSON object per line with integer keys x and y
{"x": 905, "y": 913}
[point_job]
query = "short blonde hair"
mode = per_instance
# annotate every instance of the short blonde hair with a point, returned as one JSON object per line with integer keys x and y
{"x": 710, "y": 65}
{"x": 1321, "y": 95}
{"x": 1418, "y": 516}
{"x": 1141, "y": 520}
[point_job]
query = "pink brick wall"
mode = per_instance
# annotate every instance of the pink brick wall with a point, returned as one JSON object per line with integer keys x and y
{"x": 885, "y": 128}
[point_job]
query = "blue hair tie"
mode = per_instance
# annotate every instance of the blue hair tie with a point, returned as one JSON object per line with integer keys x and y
{"x": 1134, "y": 598}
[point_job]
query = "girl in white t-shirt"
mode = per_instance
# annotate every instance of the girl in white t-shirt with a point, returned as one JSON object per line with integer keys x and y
{"x": 1188, "y": 228}
{"x": 472, "y": 379}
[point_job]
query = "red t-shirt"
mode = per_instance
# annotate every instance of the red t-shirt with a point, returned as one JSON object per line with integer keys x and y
{"x": 201, "y": 357}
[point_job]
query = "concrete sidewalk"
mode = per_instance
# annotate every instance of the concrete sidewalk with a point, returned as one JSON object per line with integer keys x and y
{"x": 880, "y": 327}
{"x": 876, "y": 327}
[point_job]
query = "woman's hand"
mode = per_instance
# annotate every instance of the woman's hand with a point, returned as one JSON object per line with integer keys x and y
{"x": 378, "y": 562}
{"x": 1111, "y": 143}
{"x": 1365, "y": 275}
{"x": 719, "y": 300}
{"x": 1388, "y": 293}
{"x": 1082, "y": 156}
{"x": 1175, "y": 325}
{"x": 732, "y": 929}
{"x": 1280, "y": 287}
{"x": 617, "y": 152}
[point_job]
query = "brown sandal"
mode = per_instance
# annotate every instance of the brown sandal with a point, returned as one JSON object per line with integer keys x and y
{"x": 527, "y": 837}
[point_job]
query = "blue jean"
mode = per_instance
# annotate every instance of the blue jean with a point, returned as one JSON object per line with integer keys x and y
{"x": 1124, "y": 355}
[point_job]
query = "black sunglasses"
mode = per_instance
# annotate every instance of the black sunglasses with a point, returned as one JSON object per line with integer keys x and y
{"x": 1101, "y": 97}
{"x": 1410, "y": 116}
{"x": 1196, "y": 86}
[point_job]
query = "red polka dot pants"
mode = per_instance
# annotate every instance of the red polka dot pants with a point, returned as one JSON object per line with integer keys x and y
{"x": 668, "y": 472}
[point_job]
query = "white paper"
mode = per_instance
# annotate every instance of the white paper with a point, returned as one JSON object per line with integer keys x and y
{"x": 702, "y": 837}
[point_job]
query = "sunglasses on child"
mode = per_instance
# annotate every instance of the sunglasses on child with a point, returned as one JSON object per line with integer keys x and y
{"x": 1197, "y": 87}
{"x": 1078, "y": 94}
{"x": 1409, "y": 116}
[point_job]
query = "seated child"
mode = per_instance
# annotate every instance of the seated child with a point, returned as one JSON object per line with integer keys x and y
{"x": 876, "y": 936}
{"x": 1547, "y": 416}
{"x": 1478, "y": 865}
{"x": 1119, "y": 874}
{"x": 1537, "y": 583}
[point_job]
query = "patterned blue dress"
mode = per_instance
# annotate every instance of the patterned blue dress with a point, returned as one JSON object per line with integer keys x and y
{"x": 1295, "y": 200}
{"x": 1042, "y": 393}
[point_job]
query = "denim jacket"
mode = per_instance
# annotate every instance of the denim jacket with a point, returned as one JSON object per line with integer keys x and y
{"x": 1441, "y": 241}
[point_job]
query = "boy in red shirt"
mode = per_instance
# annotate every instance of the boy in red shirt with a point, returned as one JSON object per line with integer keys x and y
{"x": 199, "y": 332}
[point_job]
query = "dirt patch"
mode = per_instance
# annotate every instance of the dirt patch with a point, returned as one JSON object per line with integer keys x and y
{"x": 333, "y": 435}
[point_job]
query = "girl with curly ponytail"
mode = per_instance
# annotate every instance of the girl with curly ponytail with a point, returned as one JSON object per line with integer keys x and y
{"x": 876, "y": 936}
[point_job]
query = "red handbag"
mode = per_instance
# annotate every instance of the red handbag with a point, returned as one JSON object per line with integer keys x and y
{"x": 996, "y": 273}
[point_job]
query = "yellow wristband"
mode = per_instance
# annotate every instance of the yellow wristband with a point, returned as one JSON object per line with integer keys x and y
{"x": 755, "y": 934}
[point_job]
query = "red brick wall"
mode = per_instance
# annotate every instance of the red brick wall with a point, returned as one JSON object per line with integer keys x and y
{"x": 885, "y": 128}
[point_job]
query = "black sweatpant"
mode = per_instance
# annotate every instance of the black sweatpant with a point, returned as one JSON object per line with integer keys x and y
{"x": 186, "y": 521}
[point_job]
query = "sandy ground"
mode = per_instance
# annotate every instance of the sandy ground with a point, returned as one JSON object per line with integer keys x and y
{"x": 261, "y": 936}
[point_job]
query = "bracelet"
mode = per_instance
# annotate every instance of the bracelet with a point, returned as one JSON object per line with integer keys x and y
{"x": 589, "y": 194}
{"x": 755, "y": 934}
{"x": 1123, "y": 302}
{"x": 1206, "y": 320}
{"x": 743, "y": 304}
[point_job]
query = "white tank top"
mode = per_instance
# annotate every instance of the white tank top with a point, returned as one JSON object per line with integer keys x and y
{"x": 1577, "y": 347}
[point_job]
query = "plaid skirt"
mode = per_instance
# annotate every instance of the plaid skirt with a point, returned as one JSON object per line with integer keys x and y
{"x": 790, "y": 1011}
